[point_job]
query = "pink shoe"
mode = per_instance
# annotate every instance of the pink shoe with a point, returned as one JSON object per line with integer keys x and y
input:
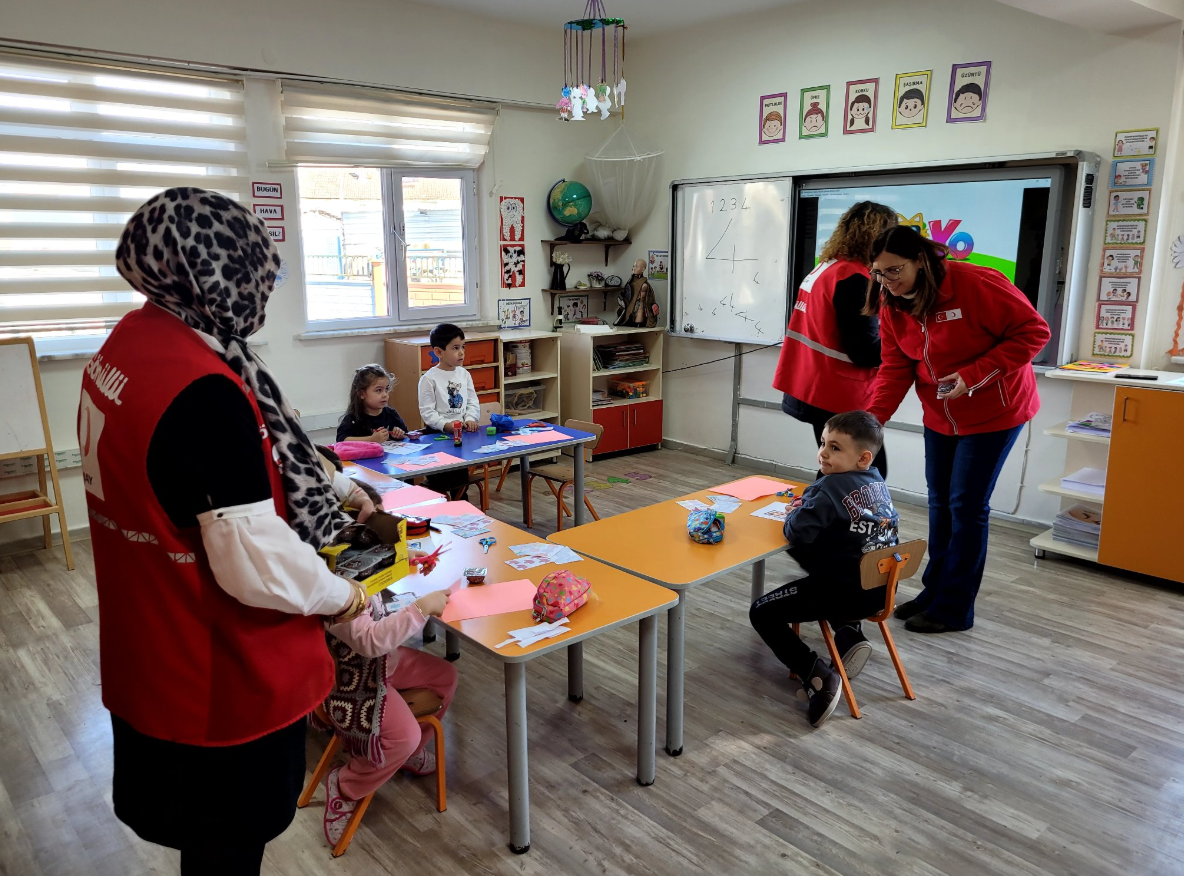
{"x": 337, "y": 809}
{"x": 422, "y": 763}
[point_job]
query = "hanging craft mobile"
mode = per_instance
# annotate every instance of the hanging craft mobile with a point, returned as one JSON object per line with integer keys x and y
{"x": 583, "y": 92}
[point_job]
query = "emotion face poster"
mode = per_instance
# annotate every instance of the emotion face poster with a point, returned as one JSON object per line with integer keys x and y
{"x": 814, "y": 112}
{"x": 772, "y": 119}
{"x": 860, "y": 102}
{"x": 969, "y": 85}
{"x": 910, "y": 101}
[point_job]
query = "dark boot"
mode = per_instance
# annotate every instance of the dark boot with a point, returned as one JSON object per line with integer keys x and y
{"x": 906, "y": 610}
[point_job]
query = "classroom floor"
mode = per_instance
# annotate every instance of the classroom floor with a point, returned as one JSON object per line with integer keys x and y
{"x": 1047, "y": 740}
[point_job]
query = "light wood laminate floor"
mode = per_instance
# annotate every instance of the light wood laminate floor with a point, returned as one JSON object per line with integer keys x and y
{"x": 1047, "y": 740}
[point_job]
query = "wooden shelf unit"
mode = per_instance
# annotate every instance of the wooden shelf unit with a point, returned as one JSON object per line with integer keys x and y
{"x": 628, "y": 423}
{"x": 608, "y": 245}
{"x": 409, "y": 357}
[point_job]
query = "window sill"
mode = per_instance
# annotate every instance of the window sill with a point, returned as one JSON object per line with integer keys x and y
{"x": 87, "y": 351}
{"x": 391, "y": 330}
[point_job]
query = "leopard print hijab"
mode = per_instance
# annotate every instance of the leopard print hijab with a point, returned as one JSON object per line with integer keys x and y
{"x": 208, "y": 261}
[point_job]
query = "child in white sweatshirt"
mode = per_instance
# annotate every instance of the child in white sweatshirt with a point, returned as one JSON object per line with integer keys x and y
{"x": 446, "y": 395}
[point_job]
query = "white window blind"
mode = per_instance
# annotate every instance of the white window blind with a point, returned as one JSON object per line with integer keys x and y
{"x": 81, "y": 148}
{"x": 358, "y": 127}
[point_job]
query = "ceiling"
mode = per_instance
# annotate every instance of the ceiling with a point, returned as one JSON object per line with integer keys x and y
{"x": 651, "y": 16}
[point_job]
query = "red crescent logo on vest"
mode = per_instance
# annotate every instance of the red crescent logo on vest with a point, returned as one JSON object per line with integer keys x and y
{"x": 86, "y": 441}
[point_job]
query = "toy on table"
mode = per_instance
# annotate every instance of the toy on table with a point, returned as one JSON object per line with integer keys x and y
{"x": 501, "y": 422}
{"x": 491, "y": 430}
{"x": 414, "y": 436}
{"x": 486, "y": 543}
{"x": 457, "y": 428}
{"x": 440, "y": 438}
{"x": 787, "y": 492}
{"x": 476, "y": 575}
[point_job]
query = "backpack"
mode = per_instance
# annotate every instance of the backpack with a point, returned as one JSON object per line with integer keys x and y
{"x": 705, "y": 526}
{"x": 559, "y": 594}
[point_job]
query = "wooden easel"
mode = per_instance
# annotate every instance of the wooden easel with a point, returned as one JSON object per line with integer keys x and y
{"x": 24, "y": 432}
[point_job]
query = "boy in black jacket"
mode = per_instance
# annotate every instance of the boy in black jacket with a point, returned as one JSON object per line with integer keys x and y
{"x": 840, "y": 517}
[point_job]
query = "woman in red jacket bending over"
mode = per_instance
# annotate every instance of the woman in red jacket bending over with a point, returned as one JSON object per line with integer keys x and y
{"x": 965, "y": 338}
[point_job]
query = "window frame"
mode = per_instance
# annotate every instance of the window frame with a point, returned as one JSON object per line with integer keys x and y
{"x": 399, "y": 310}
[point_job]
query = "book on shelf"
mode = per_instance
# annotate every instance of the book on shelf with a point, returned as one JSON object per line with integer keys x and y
{"x": 1094, "y": 423}
{"x": 614, "y": 356}
{"x": 600, "y": 398}
{"x": 1086, "y": 480}
{"x": 1080, "y": 525}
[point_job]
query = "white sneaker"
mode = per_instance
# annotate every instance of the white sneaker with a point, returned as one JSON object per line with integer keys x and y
{"x": 422, "y": 763}
{"x": 337, "y": 808}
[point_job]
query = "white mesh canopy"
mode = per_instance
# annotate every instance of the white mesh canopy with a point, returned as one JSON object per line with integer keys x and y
{"x": 624, "y": 178}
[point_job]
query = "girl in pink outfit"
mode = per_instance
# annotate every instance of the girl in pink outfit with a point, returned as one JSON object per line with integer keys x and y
{"x": 374, "y": 724}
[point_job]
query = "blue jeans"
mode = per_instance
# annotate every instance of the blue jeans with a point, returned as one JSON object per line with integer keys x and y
{"x": 960, "y": 471}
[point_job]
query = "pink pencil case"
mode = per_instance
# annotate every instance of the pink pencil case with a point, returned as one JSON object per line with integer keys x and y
{"x": 358, "y": 449}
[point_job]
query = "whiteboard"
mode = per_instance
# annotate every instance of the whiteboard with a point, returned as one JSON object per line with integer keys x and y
{"x": 20, "y": 409}
{"x": 730, "y": 259}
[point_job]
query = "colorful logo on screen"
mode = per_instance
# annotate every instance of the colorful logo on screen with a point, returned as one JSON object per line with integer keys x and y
{"x": 960, "y": 243}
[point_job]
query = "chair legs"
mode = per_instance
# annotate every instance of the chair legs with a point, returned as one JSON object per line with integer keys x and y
{"x": 891, "y": 646}
{"x": 848, "y": 692}
{"x": 505, "y": 471}
{"x": 837, "y": 661}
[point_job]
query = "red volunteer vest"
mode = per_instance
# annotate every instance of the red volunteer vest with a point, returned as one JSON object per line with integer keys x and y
{"x": 813, "y": 366}
{"x": 181, "y": 659}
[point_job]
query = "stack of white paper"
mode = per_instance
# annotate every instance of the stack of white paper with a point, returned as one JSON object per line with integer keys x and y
{"x": 724, "y": 504}
{"x": 527, "y": 636}
{"x": 1086, "y": 480}
{"x": 1096, "y": 423}
{"x": 1080, "y": 525}
{"x": 398, "y": 448}
{"x": 554, "y": 553}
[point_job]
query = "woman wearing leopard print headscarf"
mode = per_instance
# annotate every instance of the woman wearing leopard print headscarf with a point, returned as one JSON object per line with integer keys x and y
{"x": 207, "y": 504}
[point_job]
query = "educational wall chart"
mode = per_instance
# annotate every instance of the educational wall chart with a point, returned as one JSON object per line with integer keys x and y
{"x": 659, "y": 264}
{"x": 1116, "y": 316}
{"x": 1118, "y": 289}
{"x": 814, "y": 112}
{"x": 1114, "y": 345}
{"x": 969, "y": 89}
{"x": 1129, "y": 202}
{"x": 1135, "y": 143}
{"x": 910, "y": 100}
{"x": 1122, "y": 261}
{"x": 513, "y": 313}
{"x": 772, "y": 119}
{"x": 1126, "y": 231}
{"x": 860, "y": 102}
{"x": 511, "y": 231}
{"x": 512, "y": 215}
{"x": 1131, "y": 173}
{"x": 513, "y": 265}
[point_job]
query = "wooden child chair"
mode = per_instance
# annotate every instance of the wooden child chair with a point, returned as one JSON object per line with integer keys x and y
{"x": 887, "y": 566}
{"x": 424, "y": 705}
{"x": 559, "y": 475}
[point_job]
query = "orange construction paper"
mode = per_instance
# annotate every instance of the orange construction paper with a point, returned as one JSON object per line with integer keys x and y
{"x": 410, "y": 495}
{"x": 751, "y": 489}
{"x": 466, "y": 603}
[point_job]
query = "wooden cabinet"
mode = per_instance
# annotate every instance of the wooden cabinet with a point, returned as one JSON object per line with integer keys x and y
{"x": 615, "y": 421}
{"x": 627, "y": 427}
{"x": 1143, "y": 479}
{"x": 645, "y": 423}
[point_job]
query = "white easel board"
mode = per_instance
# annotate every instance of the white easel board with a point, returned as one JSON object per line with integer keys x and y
{"x": 21, "y": 425}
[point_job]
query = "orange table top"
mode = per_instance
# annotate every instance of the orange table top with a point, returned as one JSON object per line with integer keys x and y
{"x": 652, "y": 542}
{"x": 617, "y": 597}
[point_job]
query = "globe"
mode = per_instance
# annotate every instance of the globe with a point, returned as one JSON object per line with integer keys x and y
{"x": 570, "y": 202}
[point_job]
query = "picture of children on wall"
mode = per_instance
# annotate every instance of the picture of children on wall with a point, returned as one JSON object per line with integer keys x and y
{"x": 772, "y": 118}
{"x": 860, "y": 101}
{"x": 814, "y": 112}
{"x": 910, "y": 101}
{"x": 1135, "y": 143}
{"x": 969, "y": 89}
{"x": 1134, "y": 172}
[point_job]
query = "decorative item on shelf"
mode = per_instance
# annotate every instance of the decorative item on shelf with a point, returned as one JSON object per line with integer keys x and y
{"x": 637, "y": 308}
{"x": 623, "y": 176}
{"x": 524, "y": 399}
{"x": 520, "y": 352}
{"x": 513, "y": 313}
{"x": 570, "y": 202}
{"x": 580, "y": 284}
{"x": 573, "y": 307}
{"x": 596, "y": 278}
{"x": 622, "y": 387}
{"x": 560, "y": 268}
{"x": 579, "y": 62}
{"x": 598, "y": 229}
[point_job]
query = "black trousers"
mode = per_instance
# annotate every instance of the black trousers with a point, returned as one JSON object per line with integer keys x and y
{"x": 218, "y": 806}
{"x": 817, "y": 418}
{"x": 809, "y": 599}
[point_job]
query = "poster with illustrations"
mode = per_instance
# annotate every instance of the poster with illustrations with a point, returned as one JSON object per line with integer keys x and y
{"x": 513, "y": 313}
{"x": 814, "y": 112}
{"x": 1129, "y": 144}
{"x": 1116, "y": 316}
{"x": 969, "y": 90}
{"x": 1118, "y": 289}
{"x": 910, "y": 100}
{"x": 861, "y": 100}
{"x": 1114, "y": 345}
{"x": 573, "y": 307}
{"x": 1129, "y": 202}
{"x": 1128, "y": 174}
{"x": 1122, "y": 261}
{"x": 772, "y": 118}
{"x": 513, "y": 219}
{"x": 513, "y": 265}
{"x": 1126, "y": 231}
{"x": 659, "y": 264}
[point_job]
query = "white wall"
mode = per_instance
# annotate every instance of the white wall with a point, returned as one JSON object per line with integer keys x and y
{"x": 389, "y": 43}
{"x": 1053, "y": 86}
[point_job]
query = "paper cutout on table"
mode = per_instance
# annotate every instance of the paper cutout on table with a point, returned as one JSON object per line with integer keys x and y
{"x": 724, "y": 504}
{"x": 524, "y": 563}
{"x": 393, "y": 448}
{"x": 694, "y": 505}
{"x": 618, "y": 480}
{"x": 471, "y": 530}
{"x": 409, "y": 495}
{"x": 434, "y": 459}
{"x": 752, "y": 488}
{"x": 773, "y": 511}
{"x": 556, "y": 553}
{"x": 527, "y": 636}
{"x": 459, "y": 519}
{"x": 536, "y": 438}
{"x": 443, "y": 510}
{"x": 498, "y": 447}
{"x": 466, "y": 603}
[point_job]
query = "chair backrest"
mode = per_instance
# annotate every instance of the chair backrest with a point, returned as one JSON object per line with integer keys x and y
{"x": 584, "y": 426}
{"x": 876, "y": 567}
{"x": 488, "y": 410}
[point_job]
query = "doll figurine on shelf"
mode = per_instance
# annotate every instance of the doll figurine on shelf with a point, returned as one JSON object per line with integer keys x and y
{"x": 637, "y": 309}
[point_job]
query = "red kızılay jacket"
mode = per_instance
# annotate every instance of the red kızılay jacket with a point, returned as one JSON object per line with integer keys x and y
{"x": 982, "y": 327}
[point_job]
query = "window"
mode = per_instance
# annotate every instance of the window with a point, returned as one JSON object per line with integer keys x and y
{"x": 383, "y": 246}
{"x": 81, "y": 148}
{"x": 387, "y": 203}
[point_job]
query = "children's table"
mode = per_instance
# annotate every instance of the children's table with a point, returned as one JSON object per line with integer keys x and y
{"x": 652, "y": 543}
{"x": 616, "y": 599}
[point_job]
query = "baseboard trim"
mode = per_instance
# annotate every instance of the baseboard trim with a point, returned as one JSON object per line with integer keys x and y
{"x": 37, "y": 543}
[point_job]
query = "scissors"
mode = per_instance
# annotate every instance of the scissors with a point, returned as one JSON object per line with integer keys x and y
{"x": 487, "y": 542}
{"x": 430, "y": 560}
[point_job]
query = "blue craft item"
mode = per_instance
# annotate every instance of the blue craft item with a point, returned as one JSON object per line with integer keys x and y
{"x": 502, "y": 422}
{"x": 705, "y": 526}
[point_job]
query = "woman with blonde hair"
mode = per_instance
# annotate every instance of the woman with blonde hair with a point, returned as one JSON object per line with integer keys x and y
{"x": 832, "y": 349}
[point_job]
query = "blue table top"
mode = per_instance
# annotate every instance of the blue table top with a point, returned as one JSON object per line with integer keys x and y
{"x": 470, "y": 441}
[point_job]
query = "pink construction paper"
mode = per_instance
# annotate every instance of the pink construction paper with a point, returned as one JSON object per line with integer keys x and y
{"x": 441, "y": 509}
{"x": 536, "y": 437}
{"x": 411, "y": 495}
{"x": 440, "y": 459}
{"x": 750, "y": 489}
{"x": 466, "y": 603}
